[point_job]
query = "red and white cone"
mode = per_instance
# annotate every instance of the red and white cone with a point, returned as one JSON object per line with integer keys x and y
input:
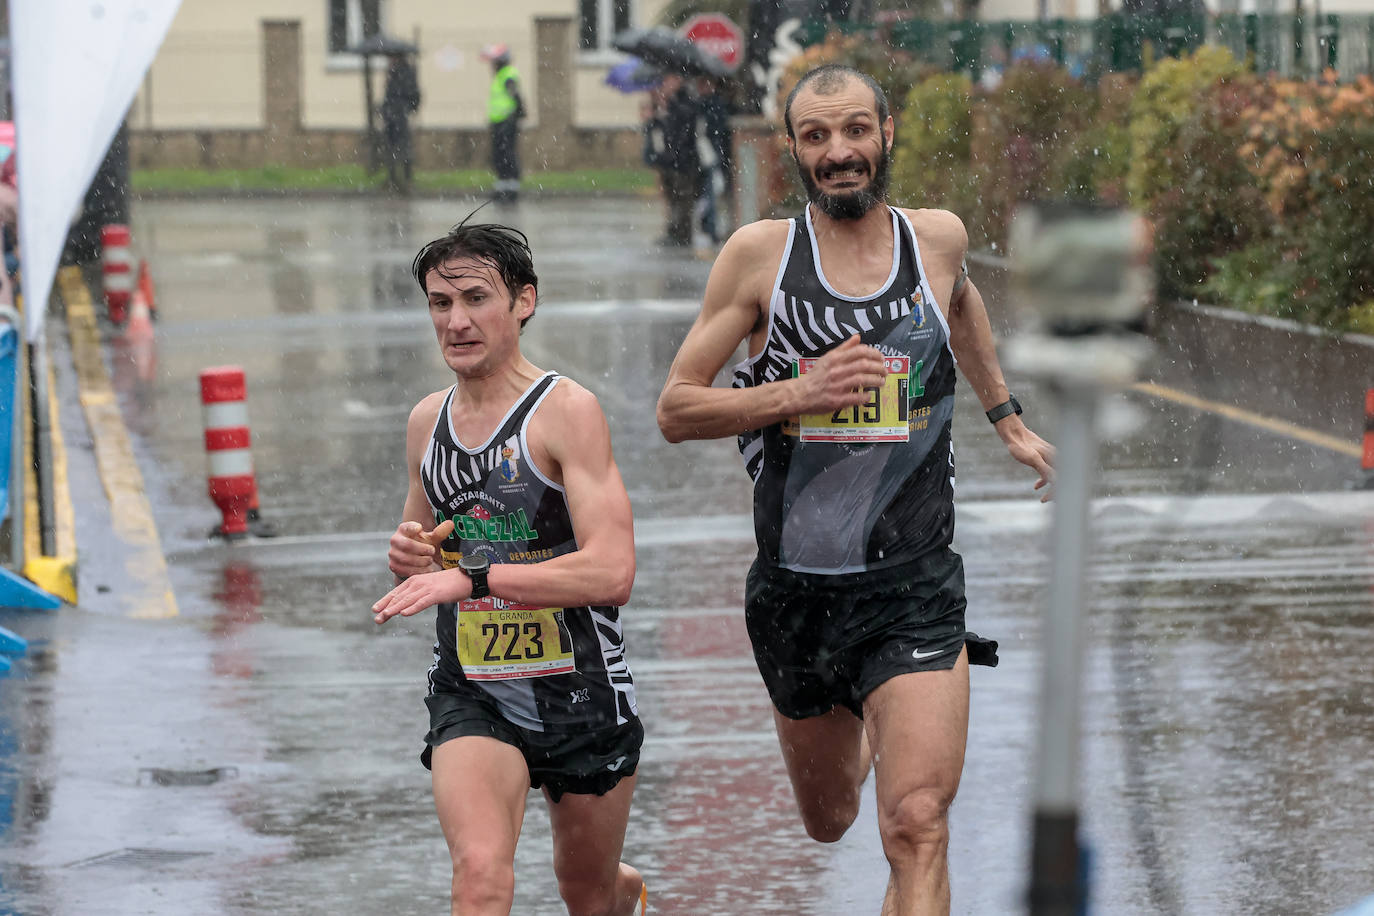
{"x": 116, "y": 269}
{"x": 228, "y": 441}
{"x": 1367, "y": 452}
{"x": 138, "y": 342}
{"x": 145, "y": 285}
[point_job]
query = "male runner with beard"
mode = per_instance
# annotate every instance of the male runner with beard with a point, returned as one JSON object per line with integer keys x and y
{"x": 854, "y": 312}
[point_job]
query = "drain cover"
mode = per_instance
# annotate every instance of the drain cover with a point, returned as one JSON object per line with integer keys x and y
{"x": 138, "y": 856}
{"x": 185, "y": 777}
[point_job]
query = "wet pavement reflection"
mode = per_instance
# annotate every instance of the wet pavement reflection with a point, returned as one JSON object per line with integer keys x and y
{"x": 1229, "y": 740}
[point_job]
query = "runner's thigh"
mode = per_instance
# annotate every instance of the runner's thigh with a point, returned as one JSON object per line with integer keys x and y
{"x": 824, "y": 755}
{"x": 480, "y": 786}
{"x": 589, "y": 833}
{"x": 917, "y": 727}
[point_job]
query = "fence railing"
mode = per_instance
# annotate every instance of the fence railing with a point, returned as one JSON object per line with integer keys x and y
{"x": 1287, "y": 45}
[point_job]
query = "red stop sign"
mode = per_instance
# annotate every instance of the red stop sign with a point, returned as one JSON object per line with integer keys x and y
{"x": 717, "y": 35}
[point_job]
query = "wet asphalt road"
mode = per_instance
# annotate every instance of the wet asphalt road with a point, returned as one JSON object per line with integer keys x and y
{"x": 1229, "y": 732}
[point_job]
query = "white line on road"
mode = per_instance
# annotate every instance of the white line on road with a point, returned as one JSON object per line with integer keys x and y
{"x": 1116, "y": 514}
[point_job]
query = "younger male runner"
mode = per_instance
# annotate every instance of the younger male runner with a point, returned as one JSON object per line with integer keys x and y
{"x": 517, "y": 525}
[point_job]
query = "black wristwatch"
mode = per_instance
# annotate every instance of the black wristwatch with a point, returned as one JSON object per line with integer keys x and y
{"x": 476, "y": 566}
{"x": 1005, "y": 409}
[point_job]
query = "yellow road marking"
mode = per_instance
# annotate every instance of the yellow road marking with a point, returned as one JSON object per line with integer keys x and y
{"x": 148, "y": 587}
{"x": 1283, "y": 428}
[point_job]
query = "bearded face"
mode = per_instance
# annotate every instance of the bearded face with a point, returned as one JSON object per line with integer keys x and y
{"x": 870, "y": 180}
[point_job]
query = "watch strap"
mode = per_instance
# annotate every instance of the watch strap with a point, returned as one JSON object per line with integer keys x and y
{"x": 477, "y": 574}
{"x": 1005, "y": 409}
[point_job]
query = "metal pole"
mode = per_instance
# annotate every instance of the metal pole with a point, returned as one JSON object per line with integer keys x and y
{"x": 42, "y": 448}
{"x": 1057, "y": 882}
{"x": 1083, "y": 271}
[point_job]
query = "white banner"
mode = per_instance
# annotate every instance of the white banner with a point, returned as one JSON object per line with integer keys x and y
{"x": 77, "y": 65}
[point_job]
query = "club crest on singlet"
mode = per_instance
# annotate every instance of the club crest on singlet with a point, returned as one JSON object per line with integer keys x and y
{"x": 509, "y": 471}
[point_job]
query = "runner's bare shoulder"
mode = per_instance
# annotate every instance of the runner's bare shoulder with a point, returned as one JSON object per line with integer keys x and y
{"x": 569, "y": 395}
{"x": 427, "y": 411}
{"x": 936, "y": 223}
{"x": 567, "y": 409}
{"x": 755, "y": 241}
{"x": 563, "y": 424}
{"x": 750, "y": 258}
{"x": 939, "y": 230}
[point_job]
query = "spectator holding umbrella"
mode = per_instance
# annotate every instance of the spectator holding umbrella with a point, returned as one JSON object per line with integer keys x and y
{"x": 676, "y": 134}
{"x": 400, "y": 100}
{"x": 716, "y": 139}
{"x": 670, "y": 146}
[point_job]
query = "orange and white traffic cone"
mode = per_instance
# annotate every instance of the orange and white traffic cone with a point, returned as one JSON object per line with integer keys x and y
{"x": 145, "y": 285}
{"x": 1367, "y": 454}
{"x": 138, "y": 337}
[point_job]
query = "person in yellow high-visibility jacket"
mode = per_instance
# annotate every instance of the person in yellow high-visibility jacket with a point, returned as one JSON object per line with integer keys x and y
{"x": 505, "y": 108}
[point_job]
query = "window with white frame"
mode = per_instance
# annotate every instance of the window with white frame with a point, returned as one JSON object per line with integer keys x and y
{"x": 599, "y": 20}
{"x": 352, "y": 21}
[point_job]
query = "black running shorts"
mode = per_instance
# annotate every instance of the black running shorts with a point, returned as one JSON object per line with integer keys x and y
{"x": 579, "y": 763}
{"x": 826, "y": 640}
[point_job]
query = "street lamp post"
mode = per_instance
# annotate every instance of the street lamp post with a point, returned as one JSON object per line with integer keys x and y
{"x": 1082, "y": 274}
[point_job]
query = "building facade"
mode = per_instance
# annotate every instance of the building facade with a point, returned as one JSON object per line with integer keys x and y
{"x": 261, "y": 82}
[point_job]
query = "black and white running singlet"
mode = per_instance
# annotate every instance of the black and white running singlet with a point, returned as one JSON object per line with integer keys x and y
{"x": 548, "y": 669}
{"x": 862, "y": 488}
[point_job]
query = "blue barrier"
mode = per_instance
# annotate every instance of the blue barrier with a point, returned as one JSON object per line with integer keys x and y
{"x": 15, "y": 590}
{"x": 12, "y": 642}
{"x": 9, "y": 378}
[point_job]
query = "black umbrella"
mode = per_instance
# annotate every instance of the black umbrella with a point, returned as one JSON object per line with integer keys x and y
{"x": 382, "y": 44}
{"x": 670, "y": 52}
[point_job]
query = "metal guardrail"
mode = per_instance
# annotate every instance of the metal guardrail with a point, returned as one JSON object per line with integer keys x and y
{"x": 1291, "y": 46}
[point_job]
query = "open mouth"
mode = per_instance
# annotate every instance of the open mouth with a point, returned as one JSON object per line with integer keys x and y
{"x": 849, "y": 171}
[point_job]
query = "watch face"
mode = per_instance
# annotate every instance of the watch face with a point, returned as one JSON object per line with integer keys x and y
{"x": 474, "y": 563}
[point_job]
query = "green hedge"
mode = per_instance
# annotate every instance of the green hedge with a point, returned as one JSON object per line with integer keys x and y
{"x": 1261, "y": 193}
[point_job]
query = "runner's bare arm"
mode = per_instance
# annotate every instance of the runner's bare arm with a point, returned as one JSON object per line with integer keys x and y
{"x": 572, "y": 428}
{"x": 413, "y": 548}
{"x": 736, "y": 304}
{"x": 970, "y": 336}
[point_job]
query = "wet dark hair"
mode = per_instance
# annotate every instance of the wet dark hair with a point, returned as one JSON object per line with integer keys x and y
{"x": 503, "y": 248}
{"x": 828, "y": 80}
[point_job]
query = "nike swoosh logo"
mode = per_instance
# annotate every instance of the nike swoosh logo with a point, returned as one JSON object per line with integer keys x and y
{"x": 918, "y": 654}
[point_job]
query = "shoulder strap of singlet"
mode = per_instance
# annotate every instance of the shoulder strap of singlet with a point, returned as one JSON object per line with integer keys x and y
{"x": 440, "y": 431}
{"x": 521, "y": 410}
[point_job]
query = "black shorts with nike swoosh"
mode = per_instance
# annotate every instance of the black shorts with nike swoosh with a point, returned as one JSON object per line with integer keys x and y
{"x": 826, "y": 640}
{"x": 588, "y": 762}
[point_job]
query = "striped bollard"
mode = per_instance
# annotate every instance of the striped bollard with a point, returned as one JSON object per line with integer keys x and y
{"x": 117, "y": 269}
{"x": 1367, "y": 454}
{"x": 223, "y": 397}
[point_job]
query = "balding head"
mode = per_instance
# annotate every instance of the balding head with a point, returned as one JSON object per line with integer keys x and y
{"x": 828, "y": 80}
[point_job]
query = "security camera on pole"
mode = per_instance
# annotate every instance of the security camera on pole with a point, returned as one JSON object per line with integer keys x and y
{"x": 1083, "y": 272}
